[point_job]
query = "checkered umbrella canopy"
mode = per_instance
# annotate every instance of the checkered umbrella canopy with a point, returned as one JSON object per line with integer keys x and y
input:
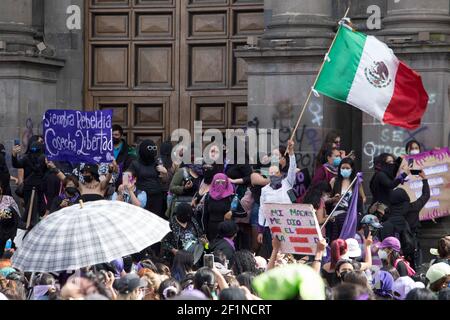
{"x": 81, "y": 236}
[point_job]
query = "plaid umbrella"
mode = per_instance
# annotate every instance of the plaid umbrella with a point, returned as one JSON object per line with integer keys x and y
{"x": 81, "y": 236}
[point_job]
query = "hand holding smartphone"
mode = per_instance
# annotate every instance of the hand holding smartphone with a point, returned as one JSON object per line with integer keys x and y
{"x": 126, "y": 178}
{"x": 208, "y": 261}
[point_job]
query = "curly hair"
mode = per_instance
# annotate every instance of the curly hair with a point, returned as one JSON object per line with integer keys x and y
{"x": 244, "y": 261}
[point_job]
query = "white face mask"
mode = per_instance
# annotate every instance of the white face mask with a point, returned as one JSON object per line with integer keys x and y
{"x": 414, "y": 152}
{"x": 382, "y": 254}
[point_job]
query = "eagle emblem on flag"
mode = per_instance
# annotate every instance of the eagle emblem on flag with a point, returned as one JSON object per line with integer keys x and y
{"x": 378, "y": 75}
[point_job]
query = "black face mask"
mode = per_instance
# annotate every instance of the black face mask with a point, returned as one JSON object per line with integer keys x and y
{"x": 88, "y": 179}
{"x": 208, "y": 175}
{"x": 71, "y": 191}
{"x": 390, "y": 169}
{"x": 116, "y": 141}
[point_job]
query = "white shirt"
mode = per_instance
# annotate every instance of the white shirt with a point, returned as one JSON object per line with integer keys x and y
{"x": 269, "y": 195}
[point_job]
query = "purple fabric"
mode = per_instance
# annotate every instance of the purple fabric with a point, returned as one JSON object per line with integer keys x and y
{"x": 118, "y": 265}
{"x": 230, "y": 242}
{"x": 78, "y": 136}
{"x": 383, "y": 284}
{"x": 219, "y": 191}
{"x": 349, "y": 227}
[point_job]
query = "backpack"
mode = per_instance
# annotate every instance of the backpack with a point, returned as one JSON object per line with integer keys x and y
{"x": 407, "y": 241}
{"x": 411, "y": 271}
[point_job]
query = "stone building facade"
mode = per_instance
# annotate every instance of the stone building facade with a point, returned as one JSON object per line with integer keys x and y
{"x": 233, "y": 63}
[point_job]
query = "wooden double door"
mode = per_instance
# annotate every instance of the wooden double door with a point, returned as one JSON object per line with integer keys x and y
{"x": 162, "y": 64}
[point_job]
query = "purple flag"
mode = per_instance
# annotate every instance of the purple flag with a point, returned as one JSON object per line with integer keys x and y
{"x": 349, "y": 227}
{"x": 78, "y": 136}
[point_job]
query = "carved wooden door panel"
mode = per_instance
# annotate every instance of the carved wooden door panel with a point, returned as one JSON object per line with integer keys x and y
{"x": 161, "y": 64}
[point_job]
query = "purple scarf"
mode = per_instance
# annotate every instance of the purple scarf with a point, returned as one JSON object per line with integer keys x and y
{"x": 383, "y": 283}
{"x": 221, "y": 191}
{"x": 230, "y": 242}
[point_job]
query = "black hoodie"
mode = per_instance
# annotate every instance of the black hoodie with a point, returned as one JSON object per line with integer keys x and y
{"x": 147, "y": 176}
{"x": 402, "y": 211}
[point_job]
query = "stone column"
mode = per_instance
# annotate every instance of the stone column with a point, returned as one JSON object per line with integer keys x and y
{"x": 307, "y": 22}
{"x": 282, "y": 69}
{"x": 27, "y": 78}
{"x": 413, "y": 19}
{"x": 16, "y": 32}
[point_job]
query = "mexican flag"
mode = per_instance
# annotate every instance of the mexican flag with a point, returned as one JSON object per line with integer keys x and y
{"x": 364, "y": 72}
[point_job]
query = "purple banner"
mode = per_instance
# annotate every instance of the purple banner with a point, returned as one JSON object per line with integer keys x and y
{"x": 78, "y": 136}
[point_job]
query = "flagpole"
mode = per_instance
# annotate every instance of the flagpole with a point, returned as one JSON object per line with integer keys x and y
{"x": 339, "y": 202}
{"x": 315, "y": 81}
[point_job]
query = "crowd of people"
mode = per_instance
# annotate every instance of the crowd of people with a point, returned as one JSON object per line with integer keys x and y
{"x": 217, "y": 209}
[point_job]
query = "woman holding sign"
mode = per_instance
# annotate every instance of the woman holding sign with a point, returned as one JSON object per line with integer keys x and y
{"x": 275, "y": 192}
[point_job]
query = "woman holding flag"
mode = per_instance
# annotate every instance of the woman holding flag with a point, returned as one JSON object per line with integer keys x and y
{"x": 346, "y": 174}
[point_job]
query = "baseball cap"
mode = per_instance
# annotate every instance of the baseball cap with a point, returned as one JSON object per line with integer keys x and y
{"x": 261, "y": 263}
{"x": 434, "y": 251}
{"x": 403, "y": 285}
{"x": 222, "y": 269}
{"x": 372, "y": 221}
{"x": 128, "y": 283}
{"x": 437, "y": 271}
{"x": 390, "y": 242}
{"x": 353, "y": 248}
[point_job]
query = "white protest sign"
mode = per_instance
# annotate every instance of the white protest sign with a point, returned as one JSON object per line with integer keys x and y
{"x": 295, "y": 225}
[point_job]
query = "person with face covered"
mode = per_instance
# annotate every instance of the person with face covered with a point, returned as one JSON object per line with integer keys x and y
{"x": 92, "y": 187}
{"x": 384, "y": 180}
{"x": 150, "y": 174}
{"x": 35, "y": 170}
{"x": 184, "y": 185}
{"x": 217, "y": 207}
{"x": 403, "y": 220}
{"x": 9, "y": 219}
{"x": 185, "y": 232}
{"x": 69, "y": 195}
{"x": 123, "y": 153}
{"x": 328, "y": 169}
{"x": 198, "y": 201}
{"x": 346, "y": 174}
{"x": 275, "y": 192}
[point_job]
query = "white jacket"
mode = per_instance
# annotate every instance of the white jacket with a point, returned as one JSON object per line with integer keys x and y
{"x": 269, "y": 195}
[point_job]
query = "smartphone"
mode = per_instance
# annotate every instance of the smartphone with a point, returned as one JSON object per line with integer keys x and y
{"x": 415, "y": 172}
{"x": 126, "y": 178}
{"x": 410, "y": 162}
{"x": 208, "y": 260}
{"x": 17, "y": 142}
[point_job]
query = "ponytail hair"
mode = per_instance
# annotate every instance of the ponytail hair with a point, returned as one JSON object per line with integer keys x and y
{"x": 338, "y": 249}
{"x": 204, "y": 281}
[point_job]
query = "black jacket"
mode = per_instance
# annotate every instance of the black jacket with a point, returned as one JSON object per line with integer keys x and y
{"x": 124, "y": 160}
{"x": 35, "y": 170}
{"x": 381, "y": 186}
{"x": 222, "y": 245}
{"x": 404, "y": 215}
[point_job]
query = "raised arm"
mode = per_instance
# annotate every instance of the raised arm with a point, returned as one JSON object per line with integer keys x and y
{"x": 276, "y": 245}
{"x": 292, "y": 164}
{"x": 113, "y": 167}
{"x": 417, "y": 205}
{"x": 317, "y": 263}
{"x": 61, "y": 176}
{"x": 368, "y": 253}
